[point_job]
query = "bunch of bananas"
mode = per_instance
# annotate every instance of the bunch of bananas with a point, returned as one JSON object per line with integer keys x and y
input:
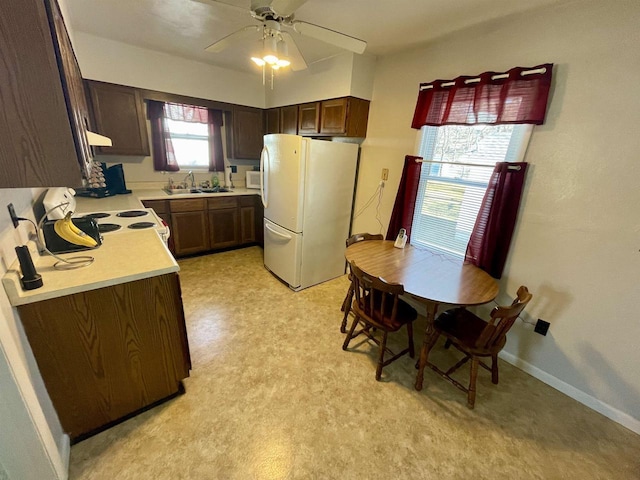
{"x": 72, "y": 234}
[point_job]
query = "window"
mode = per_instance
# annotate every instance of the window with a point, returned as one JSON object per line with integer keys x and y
{"x": 190, "y": 143}
{"x": 452, "y": 186}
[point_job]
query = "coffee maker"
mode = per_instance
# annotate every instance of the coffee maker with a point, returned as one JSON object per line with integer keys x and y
{"x": 105, "y": 182}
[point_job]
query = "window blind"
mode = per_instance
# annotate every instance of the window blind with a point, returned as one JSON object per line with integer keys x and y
{"x": 458, "y": 164}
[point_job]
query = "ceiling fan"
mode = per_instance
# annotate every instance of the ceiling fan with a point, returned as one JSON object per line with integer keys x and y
{"x": 276, "y": 19}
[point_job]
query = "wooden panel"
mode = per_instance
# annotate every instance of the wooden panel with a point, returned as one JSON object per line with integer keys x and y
{"x": 272, "y": 121}
{"x": 159, "y": 206}
{"x": 106, "y": 353}
{"x": 334, "y": 116}
{"x": 259, "y": 217}
{"x": 36, "y": 143}
{"x": 222, "y": 202}
{"x": 187, "y": 205}
{"x": 289, "y": 120}
{"x": 73, "y": 86}
{"x": 309, "y": 118}
{"x": 119, "y": 114}
{"x": 246, "y": 132}
{"x": 247, "y": 200}
{"x": 190, "y": 232}
{"x": 357, "y": 117}
{"x": 224, "y": 228}
{"x": 247, "y": 225}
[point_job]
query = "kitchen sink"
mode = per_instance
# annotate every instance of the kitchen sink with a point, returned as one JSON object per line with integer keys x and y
{"x": 191, "y": 191}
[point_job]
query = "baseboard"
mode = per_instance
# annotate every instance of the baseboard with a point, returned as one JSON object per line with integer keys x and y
{"x": 599, "y": 406}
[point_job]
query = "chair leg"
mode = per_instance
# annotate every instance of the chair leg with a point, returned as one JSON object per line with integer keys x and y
{"x": 471, "y": 397}
{"x": 383, "y": 346}
{"x": 494, "y": 369}
{"x": 348, "y": 337}
{"x": 412, "y": 352}
{"x": 346, "y": 308}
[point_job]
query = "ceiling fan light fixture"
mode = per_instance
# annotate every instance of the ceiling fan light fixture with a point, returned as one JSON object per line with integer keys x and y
{"x": 283, "y": 63}
{"x": 270, "y": 59}
{"x": 258, "y": 61}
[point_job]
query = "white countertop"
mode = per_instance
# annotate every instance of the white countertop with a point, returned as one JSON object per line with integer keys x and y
{"x": 121, "y": 258}
{"x": 134, "y": 200}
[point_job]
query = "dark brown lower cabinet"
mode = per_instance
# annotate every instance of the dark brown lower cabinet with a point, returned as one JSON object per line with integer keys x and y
{"x": 223, "y": 228}
{"x": 107, "y": 353}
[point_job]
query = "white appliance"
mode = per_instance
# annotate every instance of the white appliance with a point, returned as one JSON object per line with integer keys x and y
{"x": 253, "y": 179}
{"x": 307, "y": 191}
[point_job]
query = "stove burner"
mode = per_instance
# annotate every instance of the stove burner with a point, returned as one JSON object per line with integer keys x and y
{"x": 97, "y": 215}
{"x": 141, "y": 225}
{"x": 132, "y": 213}
{"x": 108, "y": 227}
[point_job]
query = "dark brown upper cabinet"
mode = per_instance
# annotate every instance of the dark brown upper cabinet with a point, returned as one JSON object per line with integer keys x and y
{"x": 244, "y": 132}
{"x": 272, "y": 121}
{"x": 43, "y": 141}
{"x": 344, "y": 116}
{"x": 118, "y": 113}
{"x": 289, "y": 120}
{"x": 309, "y": 118}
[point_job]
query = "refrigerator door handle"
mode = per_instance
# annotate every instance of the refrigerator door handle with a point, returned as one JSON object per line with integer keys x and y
{"x": 288, "y": 237}
{"x": 264, "y": 192}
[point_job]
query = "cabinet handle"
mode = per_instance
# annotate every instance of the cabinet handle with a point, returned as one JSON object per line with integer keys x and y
{"x": 264, "y": 192}
{"x": 288, "y": 237}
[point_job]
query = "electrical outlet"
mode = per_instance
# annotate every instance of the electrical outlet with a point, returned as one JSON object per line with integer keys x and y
{"x": 14, "y": 217}
{"x": 385, "y": 174}
{"x": 541, "y": 327}
{"x": 234, "y": 169}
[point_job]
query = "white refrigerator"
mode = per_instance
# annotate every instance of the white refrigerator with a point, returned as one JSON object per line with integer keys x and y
{"x": 307, "y": 190}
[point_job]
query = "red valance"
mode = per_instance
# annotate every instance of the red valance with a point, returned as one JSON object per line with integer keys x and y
{"x": 516, "y": 96}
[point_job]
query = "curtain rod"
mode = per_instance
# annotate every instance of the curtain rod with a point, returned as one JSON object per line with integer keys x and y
{"x": 476, "y": 80}
{"x": 420, "y": 160}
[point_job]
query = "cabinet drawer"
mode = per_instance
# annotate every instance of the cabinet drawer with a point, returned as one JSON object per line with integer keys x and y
{"x": 159, "y": 206}
{"x": 247, "y": 200}
{"x": 222, "y": 202}
{"x": 187, "y": 205}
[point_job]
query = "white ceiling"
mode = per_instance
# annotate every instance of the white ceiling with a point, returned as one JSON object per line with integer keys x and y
{"x": 186, "y": 27}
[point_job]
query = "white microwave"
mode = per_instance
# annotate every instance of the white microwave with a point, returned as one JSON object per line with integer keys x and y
{"x": 253, "y": 179}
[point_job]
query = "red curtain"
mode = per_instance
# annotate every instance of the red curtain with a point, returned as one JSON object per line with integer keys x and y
{"x": 163, "y": 156}
{"x": 492, "y": 232}
{"x": 403, "y": 208}
{"x": 216, "y": 157}
{"x": 489, "y": 98}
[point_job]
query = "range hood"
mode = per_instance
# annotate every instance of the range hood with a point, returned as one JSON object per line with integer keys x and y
{"x": 97, "y": 140}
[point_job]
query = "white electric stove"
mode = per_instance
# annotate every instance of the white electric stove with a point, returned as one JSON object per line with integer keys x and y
{"x": 118, "y": 221}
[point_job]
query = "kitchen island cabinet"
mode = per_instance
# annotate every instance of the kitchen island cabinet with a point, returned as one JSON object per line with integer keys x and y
{"x": 107, "y": 353}
{"x": 45, "y": 113}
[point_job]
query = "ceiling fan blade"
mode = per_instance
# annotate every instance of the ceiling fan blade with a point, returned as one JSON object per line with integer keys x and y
{"x": 284, "y": 8}
{"x": 330, "y": 36}
{"x": 223, "y": 43}
{"x": 297, "y": 60}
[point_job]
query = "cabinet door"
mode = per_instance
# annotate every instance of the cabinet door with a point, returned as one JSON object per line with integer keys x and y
{"x": 272, "y": 119}
{"x": 37, "y": 148}
{"x": 333, "y": 116}
{"x": 246, "y": 132}
{"x": 289, "y": 120}
{"x": 119, "y": 114}
{"x": 247, "y": 225}
{"x": 74, "y": 89}
{"x": 224, "y": 227}
{"x": 309, "y": 118}
{"x": 189, "y": 232}
{"x": 106, "y": 353}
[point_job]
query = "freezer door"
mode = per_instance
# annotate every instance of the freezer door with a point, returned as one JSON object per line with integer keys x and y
{"x": 283, "y": 253}
{"x": 283, "y": 160}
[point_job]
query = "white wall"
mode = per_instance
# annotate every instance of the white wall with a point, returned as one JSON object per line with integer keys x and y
{"x": 32, "y": 443}
{"x": 576, "y": 245}
{"x": 116, "y": 62}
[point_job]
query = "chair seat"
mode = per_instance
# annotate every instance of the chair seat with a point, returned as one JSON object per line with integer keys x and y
{"x": 406, "y": 313}
{"x": 464, "y": 328}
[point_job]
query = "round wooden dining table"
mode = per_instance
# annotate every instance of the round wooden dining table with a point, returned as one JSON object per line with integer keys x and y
{"x": 429, "y": 277}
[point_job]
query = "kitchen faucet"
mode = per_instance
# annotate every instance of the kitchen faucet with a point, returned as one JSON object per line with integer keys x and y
{"x": 193, "y": 180}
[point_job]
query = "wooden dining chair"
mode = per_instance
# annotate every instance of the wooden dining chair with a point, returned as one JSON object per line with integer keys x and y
{"x": 476, "y": 339}
{"x": 346, "y": 304}
{"x": 378, "y": 306}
